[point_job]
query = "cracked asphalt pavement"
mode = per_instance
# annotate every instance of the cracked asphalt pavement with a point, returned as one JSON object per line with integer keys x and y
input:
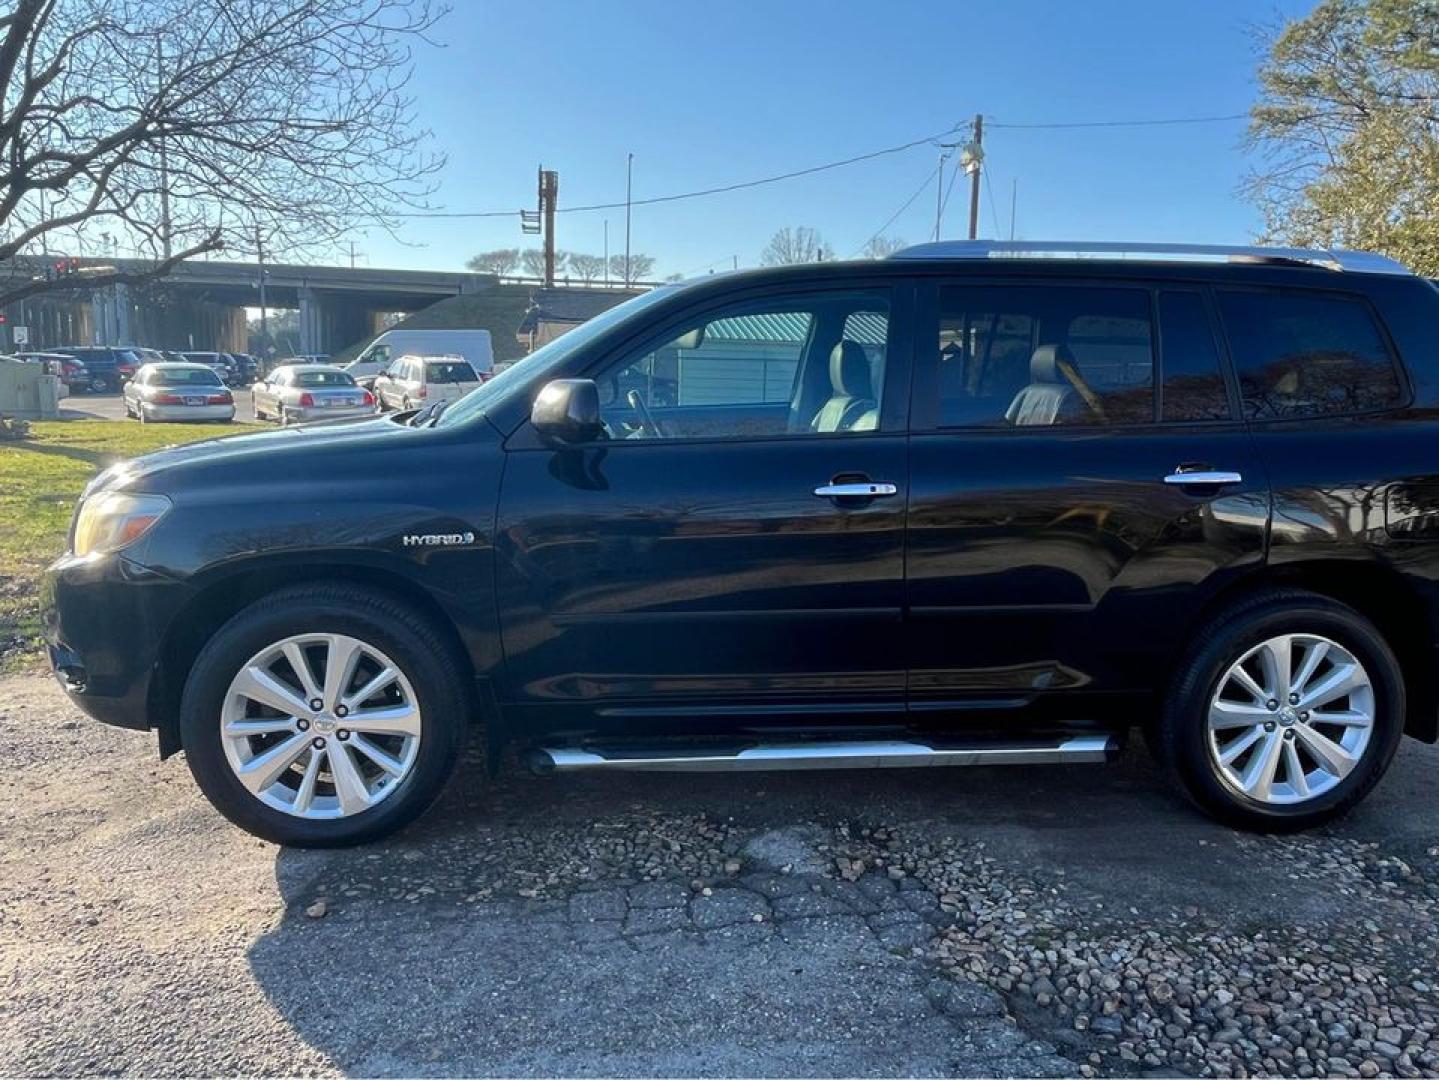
{"x": 1001, "y": 921}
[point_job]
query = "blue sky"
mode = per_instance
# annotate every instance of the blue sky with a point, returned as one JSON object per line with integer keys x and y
{"x": 711, "y": 93}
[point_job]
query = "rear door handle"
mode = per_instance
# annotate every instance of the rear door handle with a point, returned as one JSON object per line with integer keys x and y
{"x": 861, "y": 490}
{"x": 1203, "y": 478}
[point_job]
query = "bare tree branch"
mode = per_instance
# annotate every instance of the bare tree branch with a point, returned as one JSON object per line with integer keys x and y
{"x": 287, "y": 118}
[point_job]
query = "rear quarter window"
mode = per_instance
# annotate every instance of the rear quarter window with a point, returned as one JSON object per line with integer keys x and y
{"x": 1300, "y": 354}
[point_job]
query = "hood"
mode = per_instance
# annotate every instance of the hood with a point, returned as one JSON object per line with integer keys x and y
{"x": 276, "y": 452}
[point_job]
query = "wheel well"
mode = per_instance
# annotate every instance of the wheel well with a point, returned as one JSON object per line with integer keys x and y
{"x": 198, "y": 621}
{"x": 1380, "y": 596}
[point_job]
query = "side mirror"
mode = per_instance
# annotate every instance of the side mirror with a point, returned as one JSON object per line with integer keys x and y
{"x": 568, "y": 410}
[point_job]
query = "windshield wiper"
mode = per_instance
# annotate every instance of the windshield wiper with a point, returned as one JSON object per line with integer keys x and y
{"x": 421, "y": 416}
{"x": 437, "y": 409}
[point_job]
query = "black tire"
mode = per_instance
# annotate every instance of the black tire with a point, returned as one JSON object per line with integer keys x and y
{"x": 99, "y": 384}
{"x": 405, "y": 636}
{"x": 1181, "y": 738}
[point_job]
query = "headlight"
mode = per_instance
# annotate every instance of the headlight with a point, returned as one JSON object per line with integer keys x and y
{"x": 115, "y": 519}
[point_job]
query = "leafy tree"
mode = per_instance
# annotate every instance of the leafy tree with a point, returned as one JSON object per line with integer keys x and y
{"x": 795, "y": 245}
{"x": 1348, "y": 127}
{"x": 881, "y": 247}
{"x": 500, "y": 261}
{"x": 179, "y": 127}
{"x": 587, "y": 267}
{"x": 640, "y": 268}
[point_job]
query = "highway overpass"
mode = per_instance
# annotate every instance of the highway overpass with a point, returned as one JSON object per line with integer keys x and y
{"x": 201, "y": 304}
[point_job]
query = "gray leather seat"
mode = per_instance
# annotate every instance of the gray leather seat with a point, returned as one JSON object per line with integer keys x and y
{"x": 851, "y": 406}
{"x": 1049, "y": 394}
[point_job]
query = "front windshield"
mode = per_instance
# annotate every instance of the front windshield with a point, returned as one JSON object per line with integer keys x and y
{"x": 546, "y": 358}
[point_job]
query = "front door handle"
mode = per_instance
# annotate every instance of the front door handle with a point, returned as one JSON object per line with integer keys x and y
{"x": 1203, "y": 478}
{"x": 859, "y": 490}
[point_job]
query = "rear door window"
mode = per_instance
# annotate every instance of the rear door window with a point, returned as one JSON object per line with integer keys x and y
{"x": 1301, "y": 354}
{"x": 1044, "y": 355}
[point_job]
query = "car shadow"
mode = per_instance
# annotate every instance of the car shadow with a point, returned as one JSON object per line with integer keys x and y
{"x": 451, "y": 948}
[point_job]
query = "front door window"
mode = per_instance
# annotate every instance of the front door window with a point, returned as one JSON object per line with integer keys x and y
{"x": 803, "y": 366}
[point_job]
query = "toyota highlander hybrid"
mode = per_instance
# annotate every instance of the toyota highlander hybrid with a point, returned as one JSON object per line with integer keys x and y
{"x": 976, "y": 503}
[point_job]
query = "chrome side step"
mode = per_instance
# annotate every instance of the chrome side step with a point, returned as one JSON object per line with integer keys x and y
{"x": 885, "y": 754}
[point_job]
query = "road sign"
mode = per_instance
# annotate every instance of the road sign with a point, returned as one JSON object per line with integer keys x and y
{"x": 20, "y": 335}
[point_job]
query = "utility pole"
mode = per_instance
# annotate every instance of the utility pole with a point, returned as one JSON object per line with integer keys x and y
{"x": 976, "y": 162}
{"x": 1013, "y": 202}
{"x": 352, "y": 254}
{"x": 264, "y": 317}
{"x": 549, "y": 193}
{"x": 164, "y": 154}
{"x": 607, "y": 251}
{"x": 629, "y": 177}
{"x": 939, "y": 196}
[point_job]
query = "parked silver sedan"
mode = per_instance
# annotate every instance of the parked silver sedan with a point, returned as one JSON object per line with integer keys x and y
{"x": 185, "y": 392}
{"x": 296, "y": 392}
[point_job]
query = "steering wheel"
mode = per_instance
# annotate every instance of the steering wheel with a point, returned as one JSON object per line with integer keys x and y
{"x": 648, "y": 422}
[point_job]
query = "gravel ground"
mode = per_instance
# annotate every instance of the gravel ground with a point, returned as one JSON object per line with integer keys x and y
{"x": 969, "y": 922}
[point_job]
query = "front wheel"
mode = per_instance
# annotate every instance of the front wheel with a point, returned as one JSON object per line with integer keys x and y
{"x": 99, "y": 384}
{"x": 323, "y": 716}
{"x": 1285, "y": 713}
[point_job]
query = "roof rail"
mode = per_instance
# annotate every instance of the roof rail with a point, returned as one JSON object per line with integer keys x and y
{"x": 1329, "y": 258}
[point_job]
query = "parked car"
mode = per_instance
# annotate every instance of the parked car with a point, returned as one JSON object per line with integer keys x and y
{"x": 70, "y": 371}
{"x": 149, "y": 356}
{"x": 952, "y": 507}
{"x": 300, "y": 392}
{"x": 217, "y": 362}
{"x": 185, "y": 392}
{"x": 245, "y": 366}
{"x": 412, "y": 381}
{"x": 106, "y": 367}
{"x": 473, "y": 345}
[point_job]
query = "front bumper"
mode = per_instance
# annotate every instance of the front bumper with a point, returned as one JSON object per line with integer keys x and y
{"x": 104, "y": 621}
{"x": 188, "y": 412}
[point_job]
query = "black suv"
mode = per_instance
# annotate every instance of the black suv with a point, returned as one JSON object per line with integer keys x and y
{"x": 108, "y": 368}
{"x": 953, "y": 507}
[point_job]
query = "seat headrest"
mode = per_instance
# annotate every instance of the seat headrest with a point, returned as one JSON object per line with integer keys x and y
{"x": 849, "y": 370}
{"x": 1044, "y": 364}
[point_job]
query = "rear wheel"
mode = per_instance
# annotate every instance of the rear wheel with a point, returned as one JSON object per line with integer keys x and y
{"x": 99, "y": 384}
{"x": 323, "y": 716}
{"x": 1285, "y": 714}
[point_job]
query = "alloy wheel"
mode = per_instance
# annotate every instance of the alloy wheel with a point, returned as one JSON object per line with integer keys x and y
{"x": 320, "y": 726}
{"x": 1290, "y": 719}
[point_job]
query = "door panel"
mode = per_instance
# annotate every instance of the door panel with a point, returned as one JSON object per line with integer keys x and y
{"x": 682, "y": 586}
{"x": 1063, "y": 561}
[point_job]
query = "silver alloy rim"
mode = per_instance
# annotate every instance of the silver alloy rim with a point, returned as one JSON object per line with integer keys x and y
{"x": 1290, "y": 719}
{"x": 320, "y": 726}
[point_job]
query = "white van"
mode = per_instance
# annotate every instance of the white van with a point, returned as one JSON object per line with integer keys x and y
{"x": 473, "y": 345}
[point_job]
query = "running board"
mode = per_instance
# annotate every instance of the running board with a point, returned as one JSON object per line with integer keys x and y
{"x": 1076, "y": 750}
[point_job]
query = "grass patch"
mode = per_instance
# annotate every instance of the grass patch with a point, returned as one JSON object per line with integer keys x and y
{"x": 40, "y": 479}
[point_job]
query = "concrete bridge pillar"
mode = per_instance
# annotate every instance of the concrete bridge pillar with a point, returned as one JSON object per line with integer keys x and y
{"x": 312, "y": 330}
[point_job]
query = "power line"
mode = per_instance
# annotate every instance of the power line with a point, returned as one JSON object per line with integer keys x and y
{"x": 944, "y": 204}
{"x": 719, "y": 190}
{"x": 1118, "y": 123}
{"x": 895, "y": 216}
{"x": 993, "y": 213}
